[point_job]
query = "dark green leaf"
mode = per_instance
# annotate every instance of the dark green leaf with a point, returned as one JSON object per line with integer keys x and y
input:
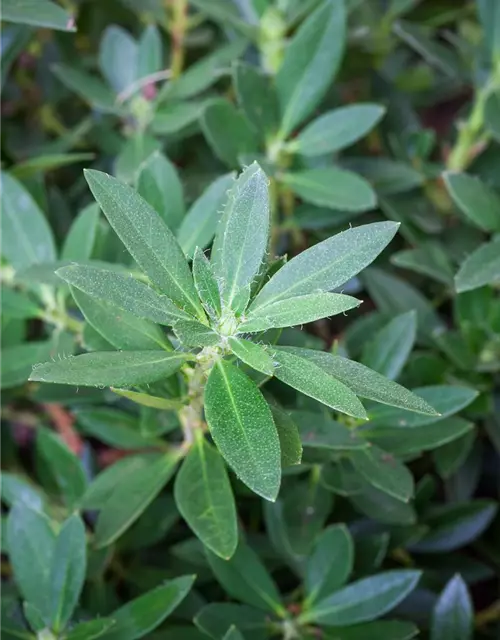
{"x": 18, "y": 305}
{"x": 90, "y": 630}
{"x": 159, "y": 184}
{"x": 257, "y": 98}
{"x": 388, "y": 351}
{"x": 17, "y": 362}
{"x": 384, "y": 472}
{"x": 386, "y": 629}
{"x": 475, "y": 199}
{"x": 38, "y": 13}
{"x": 290, "y": 444}
{"x": 206, "y": 283}
{"x": 150, "y": 52}
{"x": 481, "y": 267}
{"x": 81, "y": 237}
{"x": 242, "y": 427}
{"x": 194, "y": 334}
{"x": 204, "y": 497}
{"x": 90, "y": 89}
{"x": 319, "y": 431}
{"x": 114, "y": 427}
{"x": 216, "y": 618}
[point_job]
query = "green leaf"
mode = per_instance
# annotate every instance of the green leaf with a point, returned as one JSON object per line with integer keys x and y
{"x": 140, "y": 616}
{"x": 390, "y": 348}
{"x": 67, "y": 573}
{"x": 134, "y": 152}
{"x": 26, "y": 235}
{"x": 124, "y": 292}
{"x": 148, "y": 239}
{"x": 194, "y": 334}
{"x": 233, "y": 634}
{"x": 364, "y": 382}
{"x": 42, "y": 164}
{"x": 430, "y": 259}
{"x": 327, "y": 265}
{"x": 310, "y": 63}
{"x": 90, "y": 89}
{"x": 65, "y": 468}
{"x": 329, "y": 565}
{"x": 297, "y": 311}
{"x": 386, "y": 629}
{"x": 206, "y": 283}
{"x": 90, "y": 630}
{"x": 385, "y": 175}
{"x": 37, "y": 13}
{"x": 242, "y": 427}
{"x": 205, "y": 499}
{"x": 450, "y": 456}
{"x": 384, "y": 472}
{"x": 159, "y": 184}
{"x": 17, "y": 489}
{"x": 453, "y": 615}
{"x": 228, "y": 132}
{"x": 492, "y": 114}
{"x": 364, "y": 600}
{"x": 332, "y": 188}
{"x": 16, "y": 304}
{"x": 242, "y": 235}
{"x": 489, "y": 15}
{"x": 216, "y": 618}
{"x": 17, "y": 362}
{"x": 288, "y": 433}
{"x": 174, "y": 118}
{"x": 79, "y": 242}
{"x": 481, "y": 267}
{"x": 118, "y": 58}
{"x": 337, "y": 129}
{"x": 475, "y": 199}
{"x": 319, "y": 431}
{"x": 130, "y": 497}
{"x": 31, "y": 542}
{"x": 445, "y": 399}
{"x": 120, "y": 328}
{"x": 252, "y": 354}
{"x": 150, "y": 52}
{"x": 257, "y": 98}
{"x": 305, "y": 376}
{"x": 200, "y": 223}
{"x": 111, "y": 368}
{"x": 146, "y": 400}
{"x": 245, "y": 578}
{"x": 114, "y": 427}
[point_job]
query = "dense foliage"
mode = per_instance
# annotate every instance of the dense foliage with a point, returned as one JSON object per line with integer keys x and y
{"x": 204, "y": 433}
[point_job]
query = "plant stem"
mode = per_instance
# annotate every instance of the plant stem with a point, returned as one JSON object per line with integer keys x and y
{"x": 178, "y": 31}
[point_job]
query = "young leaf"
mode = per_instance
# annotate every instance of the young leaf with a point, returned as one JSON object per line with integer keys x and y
{"x": 242, "y": 235}
{"x": 296, "y": 311}
{"x": 67, "y": 573}
{"x": 206, "y": 284}
{"x": 200, "y": 223}
{"x": 65, "y": 468}
{"x": 111, "y": 368}
{"x": 332, "y": 188}
{"x": 129, "y": 499}
{"x": 31, "y": 542}
{"x": 383, "y": 471}
{"x": 363, "y": 600}
{"x": 123, "y": 291}
{"x": 453, "y": 615}
{"x": 194, "y": 334}
{"x": 120, "y": 328}
{"x": 140, "y": 616}
{"x": 148, "y": 239}
{"x": 81, "y": 237}
{"x": 388, "y": 351}
{"x": 228, "y": 132}
{"x": 257, "y": 98}
{"x": 366, "y": 383}
{"x": 37, "y": 13}
{"x": 329, "y": 565}
{"x": 337, "y": 129}
{"x": 205, "y": 500}
{"x": 159, "y": 184}
{"x": 26, "y": 235}
{"x": 475, "y": 199}
{"x": 245, "y": 578}
{"x": 305, "y": 376}
{"x": 252, "y": 354}
{"x": 242, "y": 427}
{"x": 481, "y": 267}
{"x": 310, "y": 64}
{"x": 327, "y": 265}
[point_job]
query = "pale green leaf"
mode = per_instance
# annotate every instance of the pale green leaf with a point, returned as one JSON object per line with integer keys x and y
{"x": 81, "y": 237}
{"x": 475, "y": 199}
{"x": 118, "y": 58}
{"x": 194, "y": 334}
{"x": 159, "y": 184}
{"x": 453, "y": 614}
{"x": 288, "y": 434}
{"x": 150, "y": 52}
{"x": 252, "y": 354}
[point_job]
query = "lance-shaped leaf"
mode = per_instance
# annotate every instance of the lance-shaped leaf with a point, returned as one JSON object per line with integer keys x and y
{"x": 364, "y": 382}
{"x": 384, "y": 472}
{"x": 327, "y": 265}
{"x": 242, "y": 235}
{"x": 337, "y": 129}
{"x": 38, "y": 13}
{"x": 297, "y": 311}
{"x": 194, "y": 334}
{"x": 111, "y": 368}
{"x": 311, "y": 62}
{"x": 200, "y": 223}
{"x": 148, "y": 239}
{"x": 453, "y": 615}
{"x": 475, "y": 199}
{"x": 205, "y": 499}
{"x": 80, "y": 240}
{"x": 206, "y": 284}
{"x": 159, "y": 184}
{"x": 252, "y": 354}
{"x": 319, "y": 431}
{"x": 123, "y": 291}
{"x": 257, "y": 97}
{"x": 242, "y": 427}
{"x": 228, "y": 132}
{"x": 481, "y": 267}
{"x": 304, "y": 375}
